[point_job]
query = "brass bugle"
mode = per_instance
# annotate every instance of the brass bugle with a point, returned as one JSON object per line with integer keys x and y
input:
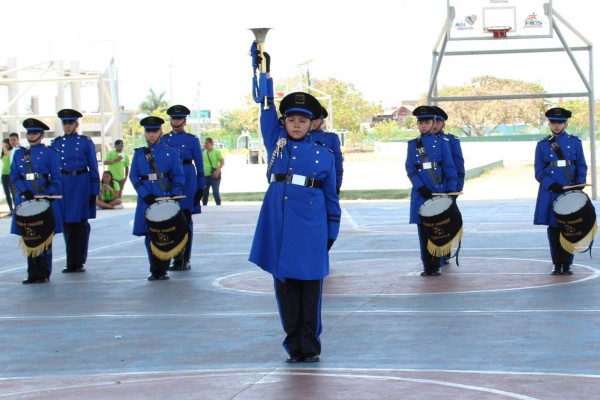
{"x": 260, "y": 35}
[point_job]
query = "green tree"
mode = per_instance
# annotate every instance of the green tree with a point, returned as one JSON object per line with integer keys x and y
{"x": 387, "y": 130}
{"x": 154, "y": 103}
{"x": 483, "y": 117}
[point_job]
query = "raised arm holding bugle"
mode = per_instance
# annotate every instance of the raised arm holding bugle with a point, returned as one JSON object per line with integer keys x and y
{"x": 259, "y": 66}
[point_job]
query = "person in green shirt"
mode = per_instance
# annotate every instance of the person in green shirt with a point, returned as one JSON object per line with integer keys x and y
{"x": 6, "y": 184}
{"x": 213, "y": 163}
{"x": 117, "y": 162}
{"x": 109, "y": 198}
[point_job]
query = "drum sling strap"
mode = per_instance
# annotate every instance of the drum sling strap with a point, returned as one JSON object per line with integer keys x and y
{"x": 165, "y": 187}
{"x": 36, "y": 185}
{"x": 555, "y": 146}
{"x": 425, "y": 157}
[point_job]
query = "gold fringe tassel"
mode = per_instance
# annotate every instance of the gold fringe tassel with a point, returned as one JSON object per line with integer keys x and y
{"x": 35, "y": 251}
{"x": 582, "y": 245}
{"x": 438, "y": 251}
{"x": 167, "y": 255}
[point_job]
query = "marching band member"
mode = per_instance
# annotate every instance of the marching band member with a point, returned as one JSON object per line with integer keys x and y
{"x": 36, "y": 171}
{"x": 457, "y": 156}
{"x": 190, "y": 152}
{"x": 332, "y": 142}
{"x": 156, "y": 171}
{"x": 559, "y": 161}
{"x": 81, "y": 185}
{"x": 299, "y": 219}
{"x": 430, "y": 168}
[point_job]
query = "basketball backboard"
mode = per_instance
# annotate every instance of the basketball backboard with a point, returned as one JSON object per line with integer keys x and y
{"x": 472, "y": 19}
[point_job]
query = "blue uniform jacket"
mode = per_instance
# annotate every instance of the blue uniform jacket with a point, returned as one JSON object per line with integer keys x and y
{"x": 457, "y": 157}
{"x": 437, "y": 150}
{"x": 167, "y": 162}
{"x": 189, "y": 149}
{"x": 76, "y": 153}
{"x": 44, "y": 160}
{"x": 332, "y": 142}
{"x": 546, "y": 175}
{"x": 295, "y": 221}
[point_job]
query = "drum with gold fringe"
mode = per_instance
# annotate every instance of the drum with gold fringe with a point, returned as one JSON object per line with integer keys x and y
{"x": 167, "y": 228}
{"x": 576, "y": 218}
{"x": 35, "y": 224}
{"x": 442, "y": 223}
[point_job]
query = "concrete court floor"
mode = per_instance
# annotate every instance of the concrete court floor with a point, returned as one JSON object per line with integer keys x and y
{"x": 497, "y": 327}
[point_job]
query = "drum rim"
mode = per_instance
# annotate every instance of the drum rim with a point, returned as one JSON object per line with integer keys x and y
{"x": 169, "y": 202}
{"x": 44, "y": 202}
{"x": 434, "y": 199}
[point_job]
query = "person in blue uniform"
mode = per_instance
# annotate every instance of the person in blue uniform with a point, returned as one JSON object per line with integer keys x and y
{"x": 559, "y": 162}
{"x": 299, "y": 219}
{"x": 454, "y": 142}
{"x": 36, "y": 171}
{"x": 457, "y": 155}
{"x": 190, "y": 152}
{"x": 332, "y": 142}
{"x": 430, "y": 168}
{"x": 81, "y": 184}
{"x": 166, "y": 181}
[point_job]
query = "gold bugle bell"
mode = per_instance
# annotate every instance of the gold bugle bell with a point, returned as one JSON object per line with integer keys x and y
{"x": 260, "y": 34}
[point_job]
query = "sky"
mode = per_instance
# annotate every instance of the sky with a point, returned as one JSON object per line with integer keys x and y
{"x": 197, "y": 51}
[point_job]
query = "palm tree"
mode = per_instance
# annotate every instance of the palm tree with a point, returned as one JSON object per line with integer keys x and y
{"x": 154, "y": 103}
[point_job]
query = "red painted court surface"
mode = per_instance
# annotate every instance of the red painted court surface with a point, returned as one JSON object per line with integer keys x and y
{"x": 498, "y": 326}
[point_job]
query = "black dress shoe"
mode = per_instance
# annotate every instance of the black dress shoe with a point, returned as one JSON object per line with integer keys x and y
{"x": 42, "y": 280}
{"x": 29, "y": 280}
{"x": 425, "y": 272}
{"x": 186, "y": 265}
{"x": 311, "y": 358}
{"x": 557, "y": 270}
{"x": 566, "y": 270}
{"x": 68, "y": 269}
{"x": 294, "y": 358}
{"x": 80, "y": 268}
{"x": 177, "y": 265}
{"x": 153, "y": 277}
{"x": 435, "y": 272}
{"x": 164, "y": 277}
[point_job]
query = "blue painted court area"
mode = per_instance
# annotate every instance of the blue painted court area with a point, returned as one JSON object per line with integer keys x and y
{"x": 498, "y": 326}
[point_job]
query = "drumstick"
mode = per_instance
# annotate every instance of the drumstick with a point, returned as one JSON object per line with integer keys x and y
{"x": 576, "y": 186}
{"x": 447, "y": 194}
{"x": 170, "y": 198}
{"x": 47, "y": 196}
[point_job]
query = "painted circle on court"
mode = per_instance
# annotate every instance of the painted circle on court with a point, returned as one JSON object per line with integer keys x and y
{"x": 386, "y": 276}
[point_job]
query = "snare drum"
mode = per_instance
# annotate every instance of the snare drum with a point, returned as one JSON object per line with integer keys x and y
{"x": 167, "y": 228}
{"x": 576, "y": 218}
{"x": 442, "y": 223}
{"x": 35, "y": 225}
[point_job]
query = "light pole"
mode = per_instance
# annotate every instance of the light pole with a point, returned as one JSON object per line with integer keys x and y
{"x": 171, "y": 83}
{"x": 306, "y": 64}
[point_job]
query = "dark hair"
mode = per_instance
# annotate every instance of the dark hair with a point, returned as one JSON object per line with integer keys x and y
{"x": 14, "y": 134}
{"x": 209, "y": 140}
{"x": 7, "y": 143}
{"x": 112, "y": 181}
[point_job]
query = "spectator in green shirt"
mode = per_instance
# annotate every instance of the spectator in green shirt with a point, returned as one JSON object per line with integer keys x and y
{"x": 213, "y": 163}
{"x": 6, "y": 184}
{"x": 118, "y": 164}
{"x": 109, "y": 198}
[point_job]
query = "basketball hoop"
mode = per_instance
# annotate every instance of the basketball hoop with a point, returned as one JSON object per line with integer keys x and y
{"x": 498, "y": 32}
